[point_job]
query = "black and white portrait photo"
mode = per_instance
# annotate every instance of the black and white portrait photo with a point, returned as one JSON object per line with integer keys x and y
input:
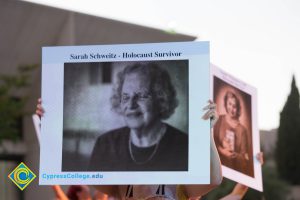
{"x": 126, "y": 116}
{"x": 118, "y": 114}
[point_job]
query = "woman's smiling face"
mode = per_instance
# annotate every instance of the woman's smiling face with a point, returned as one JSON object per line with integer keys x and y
{"x": 137, "y": 103}
{"x": 231, "y": 107}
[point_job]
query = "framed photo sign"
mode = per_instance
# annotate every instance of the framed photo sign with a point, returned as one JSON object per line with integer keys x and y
{"x": 236, "y": 133}
{"x": 125, "y": 114}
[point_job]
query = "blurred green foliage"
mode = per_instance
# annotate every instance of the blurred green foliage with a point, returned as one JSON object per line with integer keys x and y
{"x": 288, "y": 142}
{"x": 274, "y": 188}
{"x": 12, "y": 101}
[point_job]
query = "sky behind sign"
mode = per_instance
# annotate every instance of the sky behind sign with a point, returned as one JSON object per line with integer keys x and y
{"x": 256, "y": 41}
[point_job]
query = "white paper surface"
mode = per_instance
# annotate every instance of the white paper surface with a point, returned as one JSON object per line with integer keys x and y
{"x": 222, "y": 83}
{"x": 69, "y": 125}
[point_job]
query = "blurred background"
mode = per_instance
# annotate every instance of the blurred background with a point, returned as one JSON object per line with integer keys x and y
{"x": 255, "y": 41}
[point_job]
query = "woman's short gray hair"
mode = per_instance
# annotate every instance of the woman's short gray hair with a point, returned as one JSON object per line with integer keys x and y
{"x": 161, "y": 87}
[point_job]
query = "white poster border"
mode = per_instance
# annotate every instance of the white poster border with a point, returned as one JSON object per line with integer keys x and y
{"x": 53, "y": 59}
{"x": 256, "y": 182}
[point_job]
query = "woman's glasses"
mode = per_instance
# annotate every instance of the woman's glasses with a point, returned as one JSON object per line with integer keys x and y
{"x": 136, "y": 97}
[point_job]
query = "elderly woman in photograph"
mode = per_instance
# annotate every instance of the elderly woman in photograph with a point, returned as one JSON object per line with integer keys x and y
{"x": 172, "y": 192}
{"x": 144, "y": 96}
{"x": 231, "y": 136}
